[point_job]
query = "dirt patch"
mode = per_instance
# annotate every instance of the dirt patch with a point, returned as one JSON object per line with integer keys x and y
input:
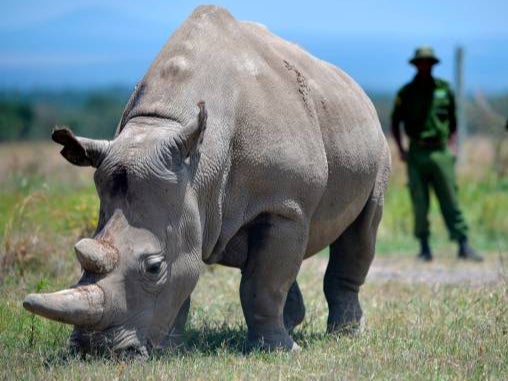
{"x": 406, "y": 269}
{"x": 445, "y": 271}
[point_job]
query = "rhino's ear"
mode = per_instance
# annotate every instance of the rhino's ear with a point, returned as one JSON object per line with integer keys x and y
{"x": 80, "y": 151}
{"x": 191, "y": 135}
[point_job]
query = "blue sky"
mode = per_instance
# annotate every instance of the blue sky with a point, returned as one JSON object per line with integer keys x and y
{"x": 62, "y": 43}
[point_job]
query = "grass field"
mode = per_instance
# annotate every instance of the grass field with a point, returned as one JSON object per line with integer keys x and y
{"x": 447, "y": 320}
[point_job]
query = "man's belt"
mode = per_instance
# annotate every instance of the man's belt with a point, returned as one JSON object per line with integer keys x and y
{"x": 429, "y": 143}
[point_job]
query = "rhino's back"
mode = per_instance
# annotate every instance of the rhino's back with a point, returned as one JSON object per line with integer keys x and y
{"x": 284, "y": 127}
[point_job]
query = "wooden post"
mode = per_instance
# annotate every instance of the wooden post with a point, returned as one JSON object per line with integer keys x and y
{"x": 460, "y": 102}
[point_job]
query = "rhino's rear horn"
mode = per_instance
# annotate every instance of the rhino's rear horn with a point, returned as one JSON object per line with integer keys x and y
{"x": 81, "y": 306}
{"x": 192, "y": 134}
{"x": 99, "y": 257}
{"x": 80, "y": 151}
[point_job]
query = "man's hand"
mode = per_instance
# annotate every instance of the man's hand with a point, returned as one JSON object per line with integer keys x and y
{"x": 452, "y": 143}
{"x": 398, "y": 138}
{"x": 403, "y": 155}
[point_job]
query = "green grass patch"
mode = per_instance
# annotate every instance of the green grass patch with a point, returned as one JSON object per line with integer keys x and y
{"x": 414, "y": 331}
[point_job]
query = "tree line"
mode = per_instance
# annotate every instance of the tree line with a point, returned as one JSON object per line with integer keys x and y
{"x": 95, "y": 113}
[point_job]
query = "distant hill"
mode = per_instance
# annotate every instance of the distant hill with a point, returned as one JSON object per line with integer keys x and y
{"x": 66, "y": 51}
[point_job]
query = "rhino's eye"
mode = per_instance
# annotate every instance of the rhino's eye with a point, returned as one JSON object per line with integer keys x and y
{"x": 154, "y": 265}
{"x": 154, "y": 272}
{"x": 154, "y": 268}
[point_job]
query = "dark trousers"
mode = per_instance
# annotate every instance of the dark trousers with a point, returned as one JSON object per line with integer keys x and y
{"x": 434, "y": 167}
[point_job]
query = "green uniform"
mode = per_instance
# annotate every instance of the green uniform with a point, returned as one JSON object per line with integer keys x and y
{"x": 427, "y": 110}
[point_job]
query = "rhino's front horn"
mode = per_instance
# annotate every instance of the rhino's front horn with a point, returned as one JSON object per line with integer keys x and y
{"x": 98, "y": 257}
{"x": 81, "y": 306}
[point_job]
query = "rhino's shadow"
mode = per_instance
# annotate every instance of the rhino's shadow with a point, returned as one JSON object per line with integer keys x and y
{"x": 205, "y": 341}
{"x": 232, "y": 340}
{"x": 208, "y": 340}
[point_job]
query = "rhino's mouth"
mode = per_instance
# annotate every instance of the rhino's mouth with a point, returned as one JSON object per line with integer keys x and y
{"x": 113, "y": 341}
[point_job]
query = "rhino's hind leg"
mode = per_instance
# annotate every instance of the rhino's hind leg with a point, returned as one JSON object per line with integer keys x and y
{"x": 294, "y": 309}
{"x": 350, "y": 258}
{"x": 275, "y": 252}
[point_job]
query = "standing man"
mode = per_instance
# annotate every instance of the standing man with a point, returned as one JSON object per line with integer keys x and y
{"x": 426, "y": 107}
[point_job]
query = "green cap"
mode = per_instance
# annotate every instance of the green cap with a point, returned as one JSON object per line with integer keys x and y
{"x": 424, "y": 53}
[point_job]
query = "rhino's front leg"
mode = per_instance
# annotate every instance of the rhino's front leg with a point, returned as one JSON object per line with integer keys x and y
{"x": 276, "y": 248}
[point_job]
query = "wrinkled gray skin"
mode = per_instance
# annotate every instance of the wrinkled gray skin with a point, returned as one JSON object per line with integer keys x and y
{"x": 290, "y": 160}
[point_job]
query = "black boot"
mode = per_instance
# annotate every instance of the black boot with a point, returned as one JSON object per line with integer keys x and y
{"x": 467, "y": 252}
{"x": 425, "y": 252}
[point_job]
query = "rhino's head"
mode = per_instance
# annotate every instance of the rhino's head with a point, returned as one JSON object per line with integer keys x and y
{"x": 143, "y": 261}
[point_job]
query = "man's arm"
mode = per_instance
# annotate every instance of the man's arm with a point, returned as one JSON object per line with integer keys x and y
{"x": 395, "y": 127}
{"x": 452, "y": 117}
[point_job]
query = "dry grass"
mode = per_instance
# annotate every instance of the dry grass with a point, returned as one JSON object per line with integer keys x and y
{"x": 21, "y": 162}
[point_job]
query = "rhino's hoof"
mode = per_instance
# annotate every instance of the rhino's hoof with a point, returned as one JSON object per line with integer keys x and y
{"x": 286, "y": 345}
{"x": 352, "y": 328}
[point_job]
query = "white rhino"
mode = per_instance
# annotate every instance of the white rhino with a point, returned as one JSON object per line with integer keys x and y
{"x": 290, "y": 160}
